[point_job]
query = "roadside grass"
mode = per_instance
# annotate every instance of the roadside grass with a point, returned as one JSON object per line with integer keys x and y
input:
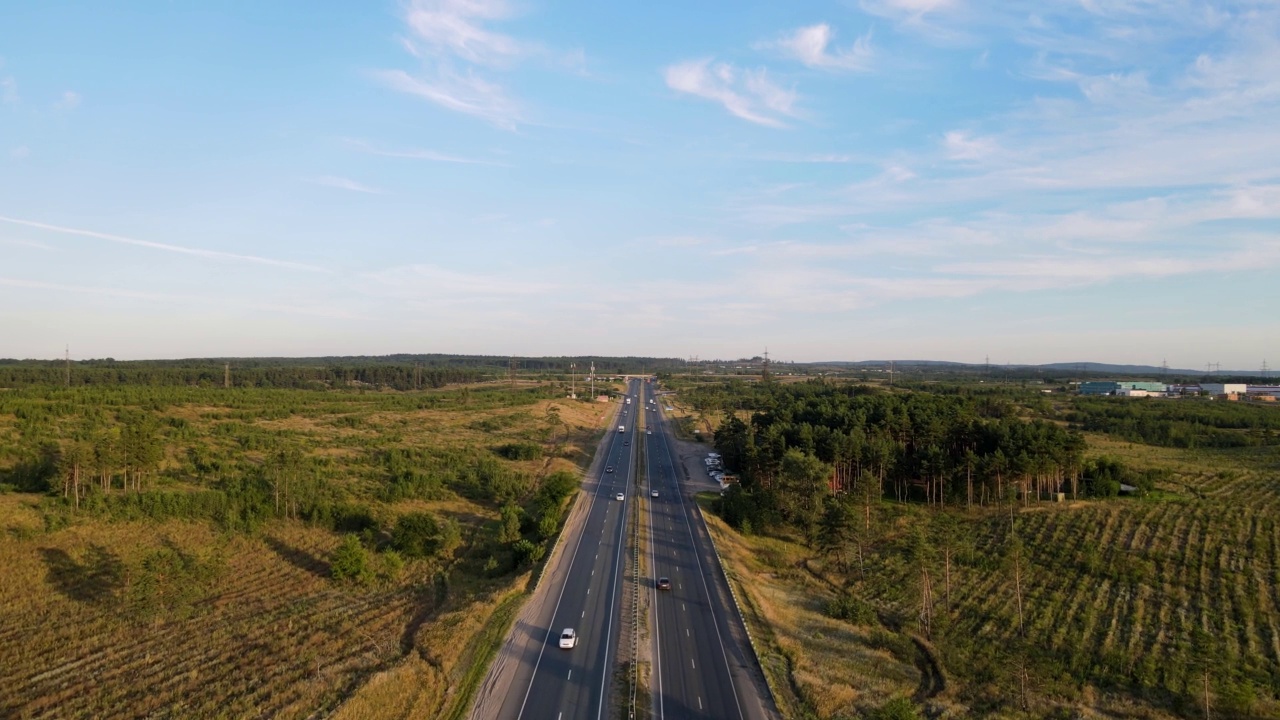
{"x": 816, "y": 666}
{"x": 452, "y": 654}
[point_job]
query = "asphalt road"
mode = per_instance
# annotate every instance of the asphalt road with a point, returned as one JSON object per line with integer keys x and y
{"x": 701, "y": 667}
{"x": 574, "y": 684}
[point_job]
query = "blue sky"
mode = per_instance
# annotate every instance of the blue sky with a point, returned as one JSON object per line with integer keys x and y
{"x": 1057, "y": 180}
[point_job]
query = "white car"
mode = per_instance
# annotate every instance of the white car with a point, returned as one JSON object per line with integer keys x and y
{"x": 568, "y": 639}
{"x": 648, "y": 432}
{"x": 619, "y": 496}
{"x": 653, "y": 494}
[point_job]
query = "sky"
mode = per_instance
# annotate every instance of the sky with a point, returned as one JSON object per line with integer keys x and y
{"x": 1025, "y": 181}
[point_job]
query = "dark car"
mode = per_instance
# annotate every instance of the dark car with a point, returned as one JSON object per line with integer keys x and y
{"x": 664, "y": 584}
{"x": 626, "y": 442}
{"x": 609, "y": 469}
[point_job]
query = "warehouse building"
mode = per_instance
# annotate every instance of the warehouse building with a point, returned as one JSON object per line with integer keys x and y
{"x": 1219, "y": 389}
{"x": 1112, "y": 387}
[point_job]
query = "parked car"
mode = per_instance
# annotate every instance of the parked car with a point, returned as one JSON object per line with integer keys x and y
{"x": 568, "y": 639}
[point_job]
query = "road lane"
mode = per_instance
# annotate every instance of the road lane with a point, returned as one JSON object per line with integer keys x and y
{"x": 691, "y": 658}
{"x": 574, "y": 684}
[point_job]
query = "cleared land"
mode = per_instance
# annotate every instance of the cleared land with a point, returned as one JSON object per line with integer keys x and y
{"x": 1128, "y": 607}
{"x": 149, "y": 602}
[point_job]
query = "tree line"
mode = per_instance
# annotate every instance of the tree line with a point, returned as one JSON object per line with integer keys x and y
{"x": 806, "y": 441}
{"x": 1182, "y": 423}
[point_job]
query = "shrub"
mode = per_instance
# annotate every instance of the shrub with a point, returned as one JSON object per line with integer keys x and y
{"x": 519, "y": 451}
{"x": 421, "y": 534}
{"x": 350, "y": 562}
{"x": 851, "y": 609}
{"x": 899, "y": 708}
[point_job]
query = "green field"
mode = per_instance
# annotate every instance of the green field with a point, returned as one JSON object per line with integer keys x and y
{"x": 198, "y": 551}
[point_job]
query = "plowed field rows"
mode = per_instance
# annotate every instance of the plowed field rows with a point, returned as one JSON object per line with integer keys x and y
{"x": 272, "y": 638}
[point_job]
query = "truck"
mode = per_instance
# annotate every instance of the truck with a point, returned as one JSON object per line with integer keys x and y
{"x": 622, "y": 428}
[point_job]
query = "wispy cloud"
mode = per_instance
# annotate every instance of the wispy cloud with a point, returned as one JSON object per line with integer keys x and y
{"x": 20, "y": 152}
{"x": 20, "y": 242}
{"x": 748, "y": 94}
{"x": 342, "y": 183}
{"x": 198, "y": 252}
{"x": 456, "y": 46}
{"x": 810, "y": 45}
{"x": 204, "y": 301}
{"x": 436, "y": 284}
{"x": 417, "y": 154}
{"x": 69, "y": 100}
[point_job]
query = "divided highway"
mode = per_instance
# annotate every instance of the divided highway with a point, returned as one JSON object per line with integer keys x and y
{"x": 573, "y": 684}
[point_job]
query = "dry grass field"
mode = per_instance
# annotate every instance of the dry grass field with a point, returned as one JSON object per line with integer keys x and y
{"x": 108, "y": 616}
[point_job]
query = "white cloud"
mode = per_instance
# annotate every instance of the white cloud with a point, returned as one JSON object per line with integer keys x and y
{"x": 748, "y": 94}
{"x": 810, "y": 44}
{"x": 456, "y": 27}
{"x": 342, "y": 183}
{"x": 960, "y": 145}
{"x": 468, "y": 94}
{"x": 69, "y": 100}
{"x": 198, "y": 252}
{"x": 417, "y": 154}
{"x": 20, "y": 152}
{"x": 456, "y": 46}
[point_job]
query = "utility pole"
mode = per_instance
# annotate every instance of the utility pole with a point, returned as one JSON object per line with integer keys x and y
{"x": 890, "y": 373}
{"x": 226, "y": 375}
{"x": 593, "y": 380}
{"x": 573, "y": 380}
{"x": 511, "y": 371}
{"x": 68, "y": 366}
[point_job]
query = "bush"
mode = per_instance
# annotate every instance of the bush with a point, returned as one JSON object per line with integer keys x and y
{"x": 391, "y": 565}
{"x": 350, "y": 563}
{"x": 519, "y": 451}
{"x": 421, "y": 534}
{"x": 527, "y": 552}
{"x": 899, "y": 708}
{"x": 851, "y": 609}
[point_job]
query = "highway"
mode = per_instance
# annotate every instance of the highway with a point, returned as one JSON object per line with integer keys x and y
{"x": 701, "y": 668}
{"x": 574, "y": 684}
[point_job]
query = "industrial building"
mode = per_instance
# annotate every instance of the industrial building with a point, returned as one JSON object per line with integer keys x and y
{"x": 1112, "y": 387}
{"x": 1217, "y": 389}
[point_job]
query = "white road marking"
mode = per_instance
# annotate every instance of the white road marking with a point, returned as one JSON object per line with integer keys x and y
{"x": 691, "y": 662}
{"x": 686, "y": 632}
{"x": 699, "y": 702}
{"x": 570, "y": 674}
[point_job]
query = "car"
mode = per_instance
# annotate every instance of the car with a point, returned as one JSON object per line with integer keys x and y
{"x": 648, "y": 432}
{"x": 664, "y": 583}
{"x": 626, "y": 442}
{"x": 619, "y": 496}
{"x": 653, "y": 494}
{"x": 568, "y": 639}
{"x": 609, "y": 469}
